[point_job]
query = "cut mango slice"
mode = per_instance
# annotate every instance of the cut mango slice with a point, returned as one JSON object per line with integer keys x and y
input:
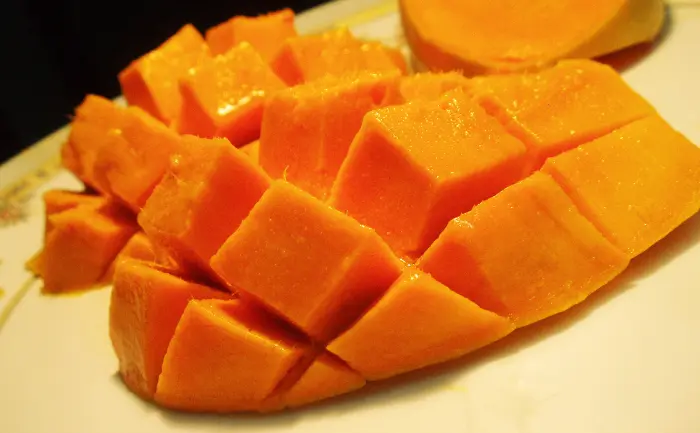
{"x": 266, "y": 33}
{"x": 314, "y": 265}
{"x": 414, "y": 167}
{"x": 151, "y": 82}
{"x": 224, "y": 97}
{"x": 418, "y": 322}
{"x": 336, "y": 52}
{"x": 81, "y": 245}
{"x": 635, "y": 185}
{"x": 226, "y": 356}
{"x": 135, "y": 156}
{"x": 326, "y": 377}
{"x": 140, "y": 248}
{"x": 145, "y": 308}
{"x": 121, "y": 152}
{"x": 188, "y": 213}
{"x": 428, "y": 86}
{"x": 526, "y": 253}
{"x": 252, "y": 149}
{"x": 506, "y": 36}
{"x": 561, "y": 107}
{"x": 56, "y": 201}
{"x": 307, "y": 129}
{"x": 94, "y": 117}
{"x": 59, "y": 200}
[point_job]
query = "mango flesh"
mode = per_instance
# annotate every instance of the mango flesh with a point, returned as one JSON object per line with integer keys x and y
{"x": 121, "y": 152}
{"x": 224, "y": 96}
{"x": 151, "y": 82}
{"x": 635, "y": 185}
{"x": 559, "y": 108}
{"x": 548, "y": 257}
{"x": 413, "y": 167}
{"x": 308, "y": 262}
{"x": 266, "y": 33}
{"x": 326, "y": 377}
{"x": 418, "y": 322}
{"x": 81, "y": 244}
{"x": 186, "y": 214}
{"x": 503, "y": 36}
{"x": 307, "y": 129}
{"x": 226, "y": 356}
{"x": 145, "y": 308}
{"x": 428, "y": 86}
{"x": 323, "y": 303}
{"x": 56, "y": 201}
{"x": 335, "y": 52}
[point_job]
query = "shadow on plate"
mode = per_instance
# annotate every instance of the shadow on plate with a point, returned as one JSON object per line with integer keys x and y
{"x": 416, "y": 384}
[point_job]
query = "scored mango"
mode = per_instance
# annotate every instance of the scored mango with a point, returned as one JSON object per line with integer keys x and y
{"x": 413, "y": 167}
{"x": 151, "y": 82}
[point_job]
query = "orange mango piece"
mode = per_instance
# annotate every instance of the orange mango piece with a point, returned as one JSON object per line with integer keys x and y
{"x": 266, "y": 33}
{"x": 139, "y": 247}
{"x": 224, "y": 96}
{"x": 93, "y": 119}
{"x": 146, "y": 306}
{"x": 135, "y": 156}
{"x": 636, "y": 184}
{"x": 59, "y": 200}
{"x": 559, "y": 108}
{"x": 429, "y": 86}
{"x": 209, "y": 189}
{"x": 335, "y": 52}
{"x": 418, "y": 322}
{"x": 252, "y": 149}
{"x": 413, "y": 167}
{"x": 326, "y": 377}
{"x": 312, "y": 264}
{"x": 226, "y": 356}
{"x": 151, "y": 82}
{"x": 56, "y": 201}
{"x": 122, "y": 152}
{"x": 81, "y": 245}
{"x": 526, "y": 253}
{"x": 307, "y": 129}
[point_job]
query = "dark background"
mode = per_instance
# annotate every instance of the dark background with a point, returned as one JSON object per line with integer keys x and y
{"x": 54, "y": 52}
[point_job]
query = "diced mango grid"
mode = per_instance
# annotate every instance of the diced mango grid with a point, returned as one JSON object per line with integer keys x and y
{"x": 318, "y": 319}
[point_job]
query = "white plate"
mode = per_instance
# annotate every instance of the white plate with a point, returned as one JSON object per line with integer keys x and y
{"x": 627, "y": 360}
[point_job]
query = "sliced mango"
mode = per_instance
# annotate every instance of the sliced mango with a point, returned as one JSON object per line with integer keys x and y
{"x": 151, "y": 81}
{"x": 507, "y": 36}
{"x": 145, "y": 308}
{"x": 428, "y": 86}
{"x": 307, "y": 129}
{"x": 561, "y": 107}
{"x": 326, "y": 377}
{"x": 81, "y": 245}
{"x": 266, "y": 33}
{"x": 122, "y": 152}
{"x": 187, "y": 214}
{"x": 413, "y": 167}
{"x": 418, "y": 322}
{"x": 635, "y": 185}
{"x": 335, "y": 52}
{"x": 226, "y": 356}
{"x": 224, "y": 96}
{"x": 526, "y": 253}
{"x": 312, "y": 264}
